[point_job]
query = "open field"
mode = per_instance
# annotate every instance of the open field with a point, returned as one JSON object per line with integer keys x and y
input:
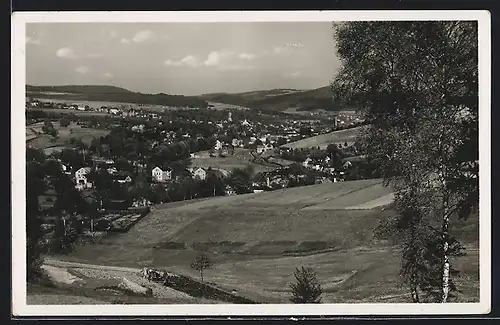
{"x": 323, "y": 140}
{"x": 36, "y": 138}
{"x": 240, "y": 159}
{"x": 222, "y": 106}
{"x": 71, "y": 111}
{"x": 257, "y": 240}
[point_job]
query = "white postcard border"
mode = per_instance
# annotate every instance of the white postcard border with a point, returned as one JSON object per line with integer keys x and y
{"x": 18, "y": 172}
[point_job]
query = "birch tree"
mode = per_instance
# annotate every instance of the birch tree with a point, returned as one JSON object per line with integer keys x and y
{"x": 417, "y": 84}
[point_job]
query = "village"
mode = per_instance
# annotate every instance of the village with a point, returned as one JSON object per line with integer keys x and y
{"x": 150, "y": 158}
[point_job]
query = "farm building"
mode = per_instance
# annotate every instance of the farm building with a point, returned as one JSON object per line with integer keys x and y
{"x": 81, "y": 178}
{"x": 161, "y": 175}
{"x": 199, "y": 172}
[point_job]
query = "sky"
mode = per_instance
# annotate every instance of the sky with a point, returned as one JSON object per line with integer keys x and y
{"x": 182, "y": 58}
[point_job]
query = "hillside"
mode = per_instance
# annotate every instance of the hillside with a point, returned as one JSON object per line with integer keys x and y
{"x": 112, "y": 94}
{"x": 323, "y": 140}
{"x": 257, "y": 240}
{"x": 78, "y": 89}
{"x": 279, "y": 99}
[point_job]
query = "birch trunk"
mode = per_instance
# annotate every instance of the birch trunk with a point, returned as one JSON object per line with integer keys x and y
{"x": 446, "y": 261}
{"x": 414, "y": 295}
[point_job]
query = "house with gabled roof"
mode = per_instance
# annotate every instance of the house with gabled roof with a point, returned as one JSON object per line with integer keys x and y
{"x": 160, "y": 175}
{"x": 81, "y": 181}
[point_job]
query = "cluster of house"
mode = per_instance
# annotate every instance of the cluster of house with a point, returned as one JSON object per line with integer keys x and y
{"x": 165, "y": 175}
{"x": 81, "y": 177}
{"x": 324, "y": 165}
{"x": 275, "y": 179}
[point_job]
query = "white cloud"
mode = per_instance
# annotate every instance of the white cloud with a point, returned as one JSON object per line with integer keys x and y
{"x": 66, "y": 53}
{"x": 82, "y": 70}
{"x": 125, "y": 41}
{"x": 30, "y": 40}
{"x": 222, "y": 60}
{"x": 188, "y": 60}
{"x": 279, "y": 50}
{"x": 283, "y": 50}
{"x": 229, "y": 60}
{"x": 247, "y": 56}
{"x": 94, "y": 55}
{"x": 108, "y": 75}
{"x": 143, "y": 36}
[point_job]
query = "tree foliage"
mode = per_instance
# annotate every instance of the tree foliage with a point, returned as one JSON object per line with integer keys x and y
{"x": 417, "y": 85}
{"x": 33, "y": 222}
{"x": 201, "y": 263}
{"x": 306, "y": 289}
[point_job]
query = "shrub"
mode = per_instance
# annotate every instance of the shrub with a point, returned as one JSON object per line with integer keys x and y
{"x": 307, "y": 289}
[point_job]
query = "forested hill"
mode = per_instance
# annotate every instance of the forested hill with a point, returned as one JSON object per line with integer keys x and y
{"x": 112, "y": 94}
{"x": 79, "y": 89}
{"x": 280, "y": 99}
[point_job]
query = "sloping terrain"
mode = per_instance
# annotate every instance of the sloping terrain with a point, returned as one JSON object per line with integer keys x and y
{"x": 280, "y": 99}
{"x": 257, "y": 240}
{"x": 323, "y": 140}
{"x": 112, "y": 94}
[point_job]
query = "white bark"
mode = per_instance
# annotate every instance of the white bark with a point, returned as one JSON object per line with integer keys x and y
{"x": 414, "y": 294}
{"x": 446, "y": 261}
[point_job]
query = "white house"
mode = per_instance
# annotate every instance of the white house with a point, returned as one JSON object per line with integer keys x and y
{"x": 160, "y": 175}
{"x": 218, "y": 145}
{"x": 306, "y": 162}
{"x": 81, "y": 178}
{"x": 235, "y": 142}
{"x": 245, "y": 123}
{"x": 200, "y": 173}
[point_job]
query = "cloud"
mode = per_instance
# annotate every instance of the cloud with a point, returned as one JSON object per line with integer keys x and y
{"x": 82, "y": 70}
{"x": 30, "y": 40}
{"x": 125, "y": 41}
{"x": 66, "y": 53}
{"x": 108, "y": 75}
{"x": 246, "y": 56}
{"x": 94, "y": 55}
{"x": 188, "y": 60}
{"x": 280, "y": 50}
{"x": 224, "y": 60}
{"x": 229, "y": 60}
{"x": 294, "y": 74}
{"x": 142, "y": 36}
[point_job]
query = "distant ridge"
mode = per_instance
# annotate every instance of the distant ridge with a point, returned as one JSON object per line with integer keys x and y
{"x": 112, "y": 94}
{"x": 280, "y": 99}
{"x": 79, "y": 89}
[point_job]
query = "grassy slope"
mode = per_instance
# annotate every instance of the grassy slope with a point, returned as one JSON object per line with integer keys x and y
{"x": 240, "y": 159}
{"x": 323, "y": 140}
{"x": 258, "y": 228}
{"x": 42, "y": 141}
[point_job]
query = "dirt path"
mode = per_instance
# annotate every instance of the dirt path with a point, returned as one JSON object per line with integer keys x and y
{"x": 59, "y": 263}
